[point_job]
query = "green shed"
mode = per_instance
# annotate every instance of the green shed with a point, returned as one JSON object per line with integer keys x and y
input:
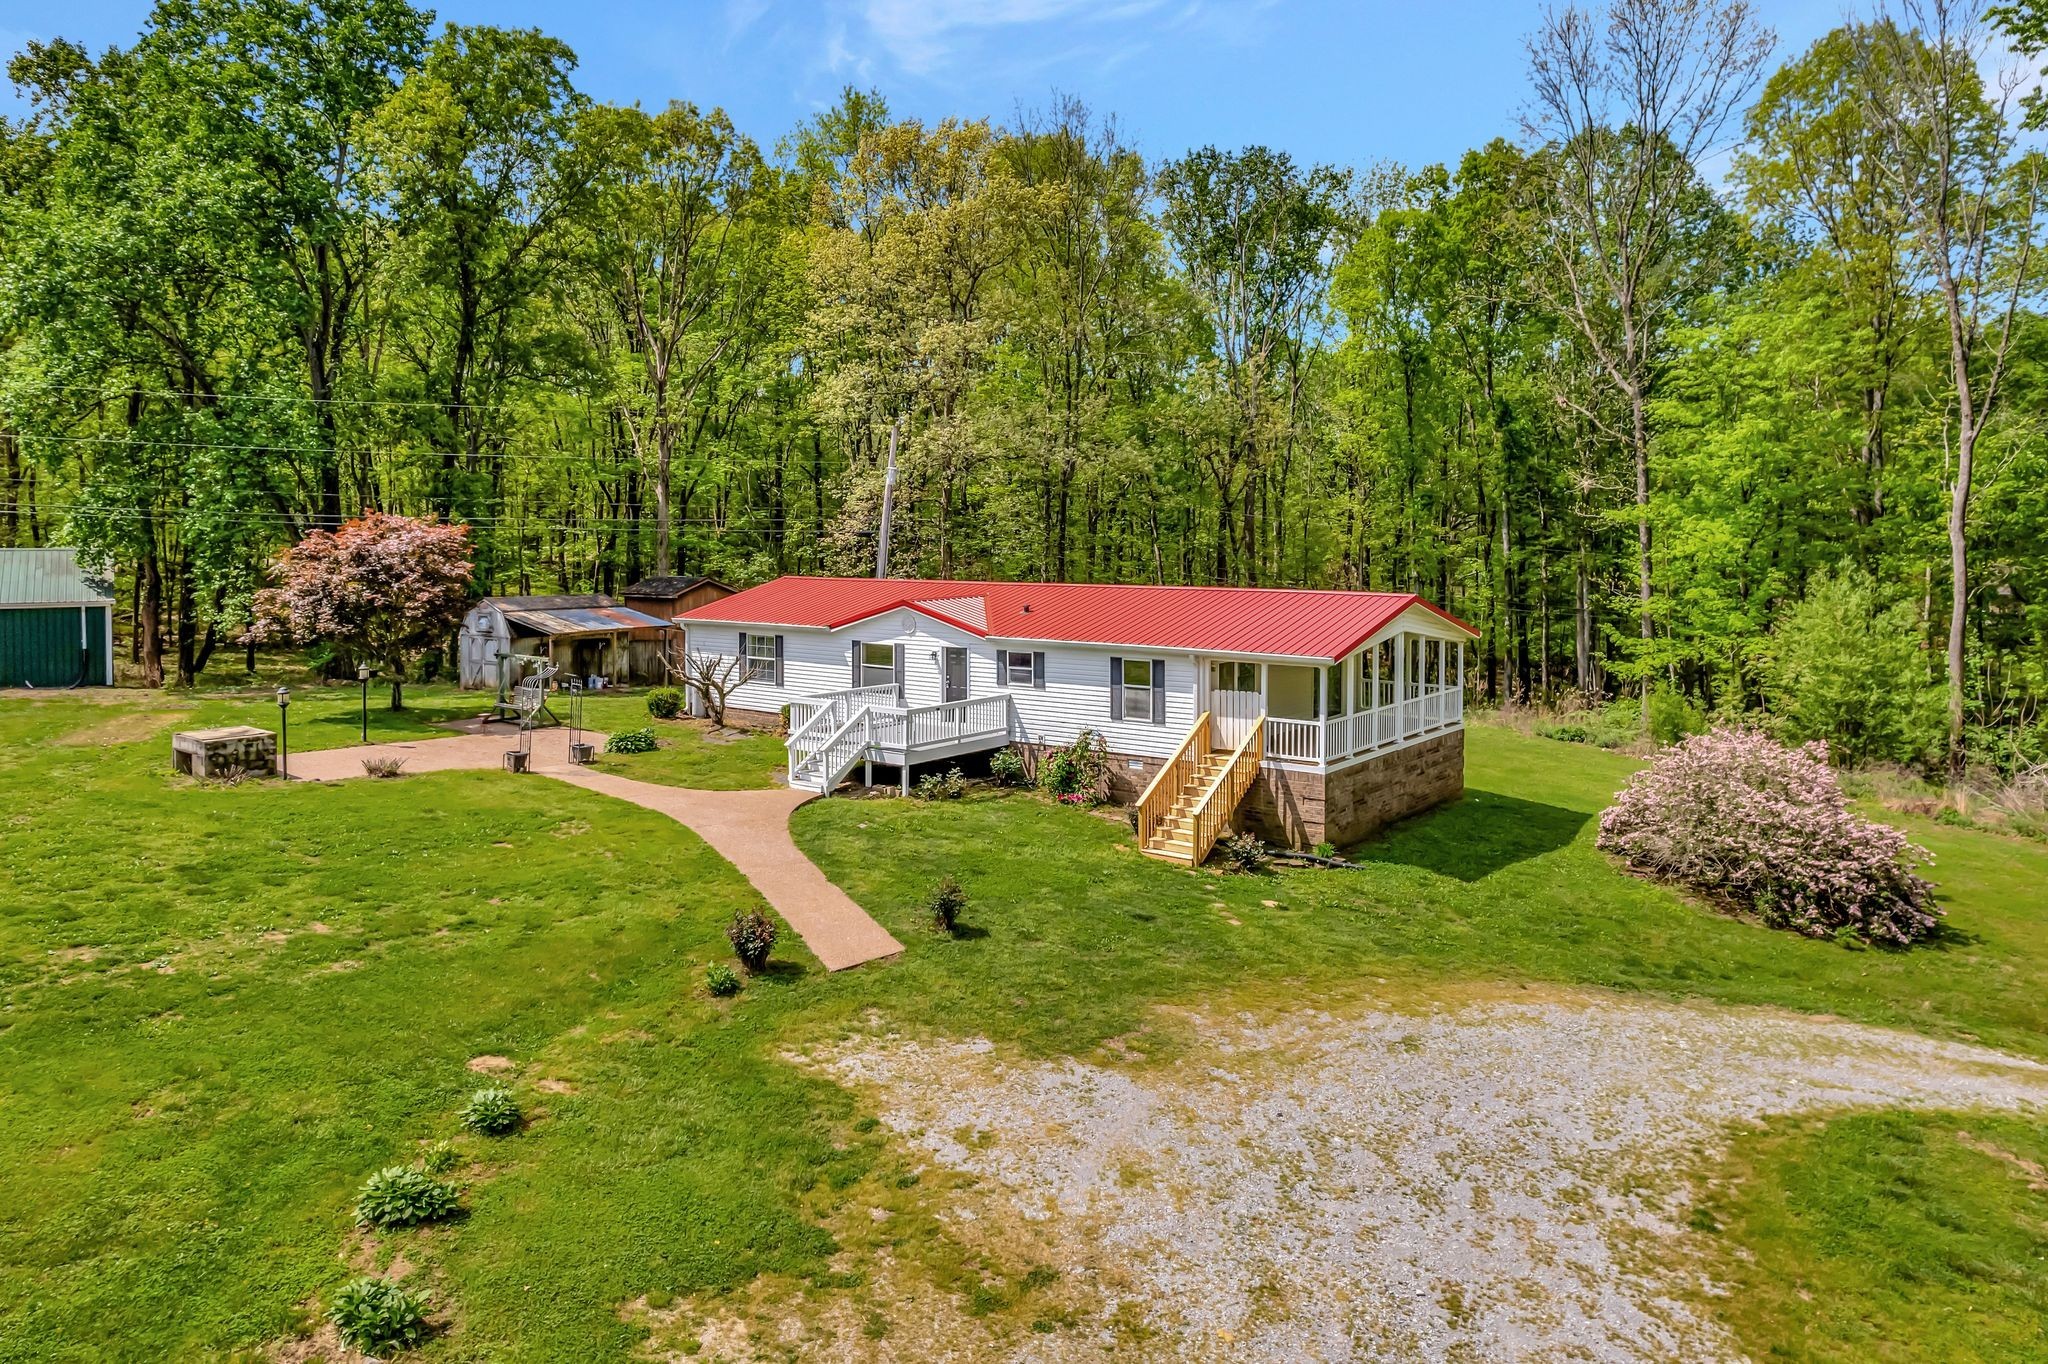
{"x": 56, "y": 622}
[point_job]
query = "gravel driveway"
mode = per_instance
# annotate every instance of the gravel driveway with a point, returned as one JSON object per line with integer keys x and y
{"x": 1476, "y": 1181}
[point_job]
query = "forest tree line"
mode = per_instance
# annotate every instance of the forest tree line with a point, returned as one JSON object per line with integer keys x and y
{"x": 1724, "y": 357}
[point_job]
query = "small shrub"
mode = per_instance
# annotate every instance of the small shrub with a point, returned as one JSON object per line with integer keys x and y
{"x": 665, "y": 703}
{"x": 1006, "y": 767}
{"x": 1079, "y": 769}
{"x": 631, "y": 741}
{"x": 402, "y": 1197}
{"x": 383, "y": 767}
{"x": 1244, "y": 852}
{"x": 377, "y": 1316}
{"x": 492, "y": 1112}
{"x": 440, "y": 1158}
{"x": 932, "y": 786}
{"x": 1326, "y": 850}
{"x": 1673, "y": 717}
{"x": 721, "y": 980}
{"x": 946, "y": 902}
{"x": 752, "y": 934}
{"x": 1737, "y": 815}
{"x": 1615, "y": 724}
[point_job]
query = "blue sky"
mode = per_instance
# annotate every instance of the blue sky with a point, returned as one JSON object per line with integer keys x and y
{"x": 1348, "y": 83}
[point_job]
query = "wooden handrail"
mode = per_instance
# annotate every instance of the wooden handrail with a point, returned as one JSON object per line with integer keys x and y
{"x": 1171, "y": 778}
{"x": 1221, "y": 800}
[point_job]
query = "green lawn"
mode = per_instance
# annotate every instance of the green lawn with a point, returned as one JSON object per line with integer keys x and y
{"x": 194, "y": 1077}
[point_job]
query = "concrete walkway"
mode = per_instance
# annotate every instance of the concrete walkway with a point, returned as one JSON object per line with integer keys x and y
{"x": 749, "y": 829}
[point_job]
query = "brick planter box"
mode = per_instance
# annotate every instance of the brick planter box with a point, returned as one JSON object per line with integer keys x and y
{"x": 221, "y": 752}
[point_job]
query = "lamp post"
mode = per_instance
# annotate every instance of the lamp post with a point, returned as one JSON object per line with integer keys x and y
{"x": 284, "y": 733}
{"x": 364, "y": 672}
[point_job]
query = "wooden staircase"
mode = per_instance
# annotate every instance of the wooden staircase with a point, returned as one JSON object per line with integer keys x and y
{"x": 1190, "y": 803}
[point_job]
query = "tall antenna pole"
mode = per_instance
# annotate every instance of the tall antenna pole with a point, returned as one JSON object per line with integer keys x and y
{"x": 888, "y": 504}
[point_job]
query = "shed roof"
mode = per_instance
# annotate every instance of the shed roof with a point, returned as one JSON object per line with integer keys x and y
{"x": 669, "y": 587}
{"x": 49, "y": 577}
{"x": 596, "y": 620}
{"x": 548, "y": 603}
{"x": 1279, "y": 622}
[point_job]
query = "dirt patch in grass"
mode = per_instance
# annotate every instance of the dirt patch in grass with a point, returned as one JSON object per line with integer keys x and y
{"x": 127, "y": 727}
{"x": 1502, "y": 1175}
{"x": 490, "y": 1065}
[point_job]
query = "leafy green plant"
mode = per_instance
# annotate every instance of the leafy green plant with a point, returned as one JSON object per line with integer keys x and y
{"x": 933, "y": 786}
{"x": 946, "y": 902}
{"x": 721, "y": 980}
{"x": 492, "y": 1112}
{"x": 665, "y": 703}
{"x": 440, "y": 1158}
{"x": 402, "y": 1197}
{"x": 1845, "y": 668}
{"x": 1243, "y": 852}
{"x": 1079, "y": 770}
{"x": 631, "y": 741}
{"x": 1673, "y": 716}
{"x": 752, "y": 935}
{"x": 377, "y": 1316}
{"x": 1006, "y": 767}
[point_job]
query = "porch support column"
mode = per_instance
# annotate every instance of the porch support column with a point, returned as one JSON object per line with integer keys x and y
{"x": 1401, "y": 684}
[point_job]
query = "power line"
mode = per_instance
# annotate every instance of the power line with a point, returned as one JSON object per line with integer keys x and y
{"x": 115, "y": 395}
{"x": 289, "y": 520}
{"x": 152, "y": 443}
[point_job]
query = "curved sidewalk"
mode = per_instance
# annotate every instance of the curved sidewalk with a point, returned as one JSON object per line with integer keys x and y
{"x": 749, "y": 829}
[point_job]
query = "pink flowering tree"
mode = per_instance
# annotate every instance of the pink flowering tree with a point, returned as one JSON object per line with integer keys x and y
{"x": 383, "y": 588}
{"x": 1741, "y": 818}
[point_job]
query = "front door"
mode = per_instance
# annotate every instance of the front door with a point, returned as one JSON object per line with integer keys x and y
{"x": 1234, "y": 701}
{"x": 956, "y": 674}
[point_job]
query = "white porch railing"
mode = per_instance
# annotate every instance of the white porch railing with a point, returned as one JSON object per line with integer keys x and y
{"x": 1430, "y": 711}
{"x": 846, "y": 727}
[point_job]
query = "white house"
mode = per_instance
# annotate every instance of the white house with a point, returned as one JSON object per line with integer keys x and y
{"x": 1313, "y": 716}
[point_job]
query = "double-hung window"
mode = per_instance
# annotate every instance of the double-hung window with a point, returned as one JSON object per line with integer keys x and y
{"x": 1017, "y": 667}
{"x": 1137, "y": 689}
{"x": 877, "y": 665}
{"x": 760, "y": 658}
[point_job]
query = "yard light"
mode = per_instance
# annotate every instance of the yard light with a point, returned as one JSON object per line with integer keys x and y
{"x": 364, "y": 672}
{"x": 284, "y": 733}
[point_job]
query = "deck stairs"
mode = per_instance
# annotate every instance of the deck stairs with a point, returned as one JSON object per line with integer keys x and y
{"x": 1191, "y": 802}
{"x": 822, "y": 768}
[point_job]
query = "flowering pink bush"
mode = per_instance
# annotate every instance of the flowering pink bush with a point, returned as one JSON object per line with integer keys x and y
{"x": 1737, "y": 815}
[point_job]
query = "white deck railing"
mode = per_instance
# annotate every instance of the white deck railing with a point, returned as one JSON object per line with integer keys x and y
{"x": 1341, "y": 737}
{"x": 840, "y": 728}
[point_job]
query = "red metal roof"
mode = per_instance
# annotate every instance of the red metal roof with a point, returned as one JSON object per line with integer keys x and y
{"x": 1276, "y": 621}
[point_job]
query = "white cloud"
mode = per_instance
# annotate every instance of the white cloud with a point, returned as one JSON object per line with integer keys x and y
{"x": 934, "y": 38}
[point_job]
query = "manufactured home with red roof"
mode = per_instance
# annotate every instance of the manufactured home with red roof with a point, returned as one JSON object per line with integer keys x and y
{"x": 1309, "y": 716}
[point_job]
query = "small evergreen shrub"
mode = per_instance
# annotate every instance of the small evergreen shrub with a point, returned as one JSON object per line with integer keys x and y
{"x": 752, "y": 934}
{"x": 1006, "y": 768}
{"x": 402, "y": 1197}
{"x": 440, "y": 1158}
{"x": 665, "y": 703}
{"x": 1736, "y": 815}
{"x": 492, "y": 1112}
{"x": 946, "y": 902}
{"x": 932, "y": 786}
{"x": 631, "y": 741}
{"x": 1244, "y": 852}
{"x": 377, "y": 1316}
{"x": 721, "y": 980}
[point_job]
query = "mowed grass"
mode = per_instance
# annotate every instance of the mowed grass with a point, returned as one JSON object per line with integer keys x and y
{"x": 194, "y": 1078}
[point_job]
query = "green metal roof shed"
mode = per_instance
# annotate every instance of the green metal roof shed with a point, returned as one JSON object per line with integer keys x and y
{"x": 56, "y": 621}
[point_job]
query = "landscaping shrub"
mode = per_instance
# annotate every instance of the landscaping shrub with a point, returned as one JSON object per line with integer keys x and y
{"x": 947, "y": 900}
{"x": 631, "y": 741}
{"x": 721, "y": 980}
{"x": 1006, "y": 768}
{"x": 440, "y": 1158}
{"x": 753, "y": 936}
{"x": 1736, "y": 815}
{"x": 1079, "y": 772}
{"x": 492, "y": 1112}
{"x": 932, "y": 786}
{"x": 383, "y": 767}
{"x": 1673, "y": 716}
{"x": 1244, "y": 852}
{"x": 665, "y": 703}
{"x": 1845, "y": 668}
{"x": 402, "y": 1197}
{"x": 377, "y": 1316}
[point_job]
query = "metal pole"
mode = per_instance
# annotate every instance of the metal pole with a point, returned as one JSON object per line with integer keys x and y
{"x": 888, "y": 503}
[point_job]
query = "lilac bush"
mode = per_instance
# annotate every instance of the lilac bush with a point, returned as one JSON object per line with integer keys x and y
{"x": 1736, "y": 815}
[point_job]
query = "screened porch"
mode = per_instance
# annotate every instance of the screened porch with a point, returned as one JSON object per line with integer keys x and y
{"x": 1403, "y": 688}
